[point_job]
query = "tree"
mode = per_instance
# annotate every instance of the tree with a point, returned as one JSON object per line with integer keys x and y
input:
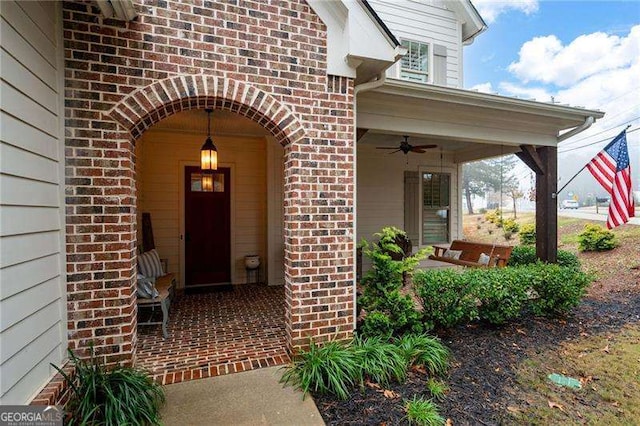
{"x": 480, "y": 176}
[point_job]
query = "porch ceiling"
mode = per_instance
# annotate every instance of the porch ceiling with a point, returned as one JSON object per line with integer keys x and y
{"x": 222, "y": 123}
{"x": 473, "y": 125}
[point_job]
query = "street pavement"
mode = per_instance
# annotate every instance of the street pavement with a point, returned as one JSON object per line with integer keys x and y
{"x": 589, "y": 213}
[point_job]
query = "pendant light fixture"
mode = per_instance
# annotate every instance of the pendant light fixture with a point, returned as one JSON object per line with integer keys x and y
{"x": 208, "y": 152}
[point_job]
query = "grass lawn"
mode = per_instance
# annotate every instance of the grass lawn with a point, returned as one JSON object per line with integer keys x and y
{"x": 608, "y": 368}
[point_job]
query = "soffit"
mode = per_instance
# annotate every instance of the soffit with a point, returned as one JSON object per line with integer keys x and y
{"x": 437, "y": 112}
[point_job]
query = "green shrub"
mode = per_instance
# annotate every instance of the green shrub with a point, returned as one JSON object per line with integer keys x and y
{"x": 526, "y": 255}
{"x": 423, "y": 412}
{"x": 527, "y": 234}
{"x": 596, "y": 238}
{"x": 502, "y": 294}
{"x": 112, "y": 396}
{"x": 499, "y": 295}
{"x": 494, "y": 216}
{"x": 559, "y": 288}
{"x": 380, "y": 360}
{"x": 376, "y": 324}
{"x": 332, "y": 368}
{"x": 447, "y": 297}
{"x": 425, "y": 350}
{"x": 482, "y": 210}
{"x": 510, "y": 225}
{"x": 394, "y": 312}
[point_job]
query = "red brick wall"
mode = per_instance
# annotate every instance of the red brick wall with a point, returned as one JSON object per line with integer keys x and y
{"x": 269, "y": 60}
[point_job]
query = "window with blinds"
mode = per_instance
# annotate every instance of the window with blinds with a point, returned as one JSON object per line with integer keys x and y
{"x": 415, "y": 64}
{"x": 436, "y": 207}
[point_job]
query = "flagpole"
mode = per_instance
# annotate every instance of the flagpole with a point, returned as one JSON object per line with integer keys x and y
{"x": 585, "y": 166}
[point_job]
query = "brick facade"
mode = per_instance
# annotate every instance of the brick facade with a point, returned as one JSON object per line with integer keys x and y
{"x": 263, "y": 60}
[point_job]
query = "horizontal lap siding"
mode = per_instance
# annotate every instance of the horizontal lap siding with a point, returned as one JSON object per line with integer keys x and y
{"x": 32, "y": 299}
{"x": 420, "y": 21}
{"x": 380, "y": 179}
{"x": 161, "y": 157}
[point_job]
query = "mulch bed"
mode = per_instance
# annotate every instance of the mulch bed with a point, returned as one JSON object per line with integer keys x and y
{"x": 482, "y": 378}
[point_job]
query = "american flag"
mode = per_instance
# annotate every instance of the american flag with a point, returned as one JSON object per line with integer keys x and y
{"x": 612, "y": 169}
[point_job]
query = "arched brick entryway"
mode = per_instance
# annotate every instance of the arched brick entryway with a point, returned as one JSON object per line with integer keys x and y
{"x": 147, "y": 106}
{"x": 318, "y": 220}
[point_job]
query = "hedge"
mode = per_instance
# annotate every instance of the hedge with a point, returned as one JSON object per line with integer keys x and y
{"x": 526, "y": 255}
{"x": 451, "y": 297}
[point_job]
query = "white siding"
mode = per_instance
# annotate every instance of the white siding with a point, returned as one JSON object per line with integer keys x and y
{"x": 380, "y": 180}
{"x": 426, "y": 22}
{"x": 160, "y": 160}
{"x": 32, "y": 284}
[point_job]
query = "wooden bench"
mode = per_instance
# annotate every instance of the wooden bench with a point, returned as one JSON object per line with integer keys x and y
{"x": 166, "y": 286}
{"x": 471, "y": 252}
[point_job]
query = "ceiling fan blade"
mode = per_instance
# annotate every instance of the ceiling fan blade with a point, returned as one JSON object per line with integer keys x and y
{"x": 418, "y": 150}
{"x": 397, "y": 150}
{"x": 425, "y": 146}
{"x": 386, "y": 147}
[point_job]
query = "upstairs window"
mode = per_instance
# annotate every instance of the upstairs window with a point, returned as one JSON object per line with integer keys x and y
{"x": 415, "y": 64}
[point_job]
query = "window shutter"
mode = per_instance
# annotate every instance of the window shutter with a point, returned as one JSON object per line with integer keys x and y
{"x": 439, "y": 64}
{"x": 411, "y": 208}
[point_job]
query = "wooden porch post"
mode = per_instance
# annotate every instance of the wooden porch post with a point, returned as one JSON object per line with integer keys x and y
{"x": 544, "y": 162}
{"x": 547, "y": 205}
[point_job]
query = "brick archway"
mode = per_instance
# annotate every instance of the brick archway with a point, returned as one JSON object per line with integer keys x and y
{"x": 148, "y": 105}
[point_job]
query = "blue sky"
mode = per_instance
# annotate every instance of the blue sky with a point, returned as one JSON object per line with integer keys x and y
{"x": 582, "y": 53}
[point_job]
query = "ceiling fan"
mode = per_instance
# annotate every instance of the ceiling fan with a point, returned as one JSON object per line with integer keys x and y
{"x": 406, "y": 147}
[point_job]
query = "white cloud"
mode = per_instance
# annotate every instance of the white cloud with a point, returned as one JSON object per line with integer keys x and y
{"x": 483, "y": 87}
{"x": 491, "y": 9}
{"x": 547, "y": 60}
{"x": 595, "y": 71}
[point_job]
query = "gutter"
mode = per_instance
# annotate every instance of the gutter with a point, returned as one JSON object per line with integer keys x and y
{"x": 362, "y": 87}
{"x": 487, "y": 100}
{"x": 581, "y": 128}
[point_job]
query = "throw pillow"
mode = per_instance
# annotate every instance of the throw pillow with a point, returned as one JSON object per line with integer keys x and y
{"x": 484, "y": 259}
{"x": 149, "y": 264}
{"x": 452, "y": 254}
{"x": 146, "y": 287}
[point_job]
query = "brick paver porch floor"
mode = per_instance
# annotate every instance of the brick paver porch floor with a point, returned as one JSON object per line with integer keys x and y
{"x": 221, "y": 332}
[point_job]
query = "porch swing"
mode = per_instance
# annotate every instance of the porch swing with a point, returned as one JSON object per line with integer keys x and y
{"x": 475, "y": 254}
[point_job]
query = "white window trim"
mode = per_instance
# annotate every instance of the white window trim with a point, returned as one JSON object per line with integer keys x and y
{"x": 429, "y": 72}
{"x": 451, "y": 171}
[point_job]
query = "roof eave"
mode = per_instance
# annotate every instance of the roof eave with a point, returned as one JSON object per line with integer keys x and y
{"x": 469, "y": 97}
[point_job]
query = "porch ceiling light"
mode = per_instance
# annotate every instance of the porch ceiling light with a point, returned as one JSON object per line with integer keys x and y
{"x": 208, "y": 152}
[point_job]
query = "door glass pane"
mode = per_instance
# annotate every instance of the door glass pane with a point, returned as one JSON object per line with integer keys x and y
{"x": 436, "y": 207}
{"x": 196, "y": 182}
{"x": 218, "y": 182}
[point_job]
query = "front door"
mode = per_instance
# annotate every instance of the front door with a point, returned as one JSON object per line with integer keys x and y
{"x": 207, "y": 228}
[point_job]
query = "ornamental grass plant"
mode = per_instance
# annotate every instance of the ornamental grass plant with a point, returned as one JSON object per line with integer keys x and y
{"x": 111, "y": 396}
{"x": 336, "y": 368}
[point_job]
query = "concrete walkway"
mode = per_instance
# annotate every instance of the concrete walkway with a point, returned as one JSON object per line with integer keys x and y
{"x": 250, "y": 398}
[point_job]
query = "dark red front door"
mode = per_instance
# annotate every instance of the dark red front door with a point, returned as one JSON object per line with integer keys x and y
{"x": 207, "y": 228}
